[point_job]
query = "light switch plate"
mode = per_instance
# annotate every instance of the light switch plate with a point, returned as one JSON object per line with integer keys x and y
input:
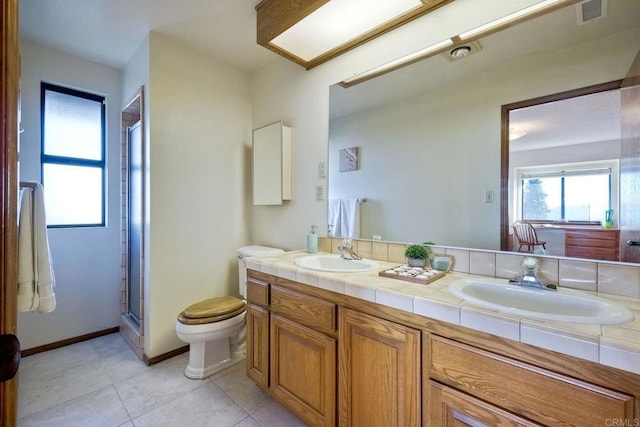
{"x": 319, "y": 192}
{"x": 489, "y": 196}
{"x": 322, "y": 170}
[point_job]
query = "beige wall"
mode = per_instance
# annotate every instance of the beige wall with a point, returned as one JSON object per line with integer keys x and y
{"x": 200, "y": 115}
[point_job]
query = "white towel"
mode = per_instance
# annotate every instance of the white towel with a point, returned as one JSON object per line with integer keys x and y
{"x": 35, "y": 273}
{"x": 344, "y": 216}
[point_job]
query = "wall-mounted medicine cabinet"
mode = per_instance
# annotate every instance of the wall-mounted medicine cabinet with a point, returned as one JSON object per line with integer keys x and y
{"x": 271, "y": 164}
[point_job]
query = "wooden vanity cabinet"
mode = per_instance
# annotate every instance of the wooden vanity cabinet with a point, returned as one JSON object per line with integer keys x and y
{"x": 303, "y": 355}
{"x": 292, "y": 350}
{"x": 450, "y": 408}
{"x": 257, "y": 321}
{"x": 337, "y": 360}
{"x": 302, "y": 371}
{"x": 379, "y": 372}
{"x": 496, "y": 386}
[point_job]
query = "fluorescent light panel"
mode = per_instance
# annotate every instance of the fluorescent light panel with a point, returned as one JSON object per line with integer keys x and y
{"x": 338, "y": 22}
{"x": 474, "y": 34}
{"x": 508, "y": 19}
{"x": 400, "y": 62}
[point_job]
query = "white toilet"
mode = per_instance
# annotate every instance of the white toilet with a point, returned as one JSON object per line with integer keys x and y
{"x": 214, "y": 328}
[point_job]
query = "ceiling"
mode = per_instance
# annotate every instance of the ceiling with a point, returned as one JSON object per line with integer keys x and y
{"x": 110, "y": 31}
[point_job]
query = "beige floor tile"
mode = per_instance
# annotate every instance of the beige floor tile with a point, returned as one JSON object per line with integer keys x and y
{"x": 101, "y": 382}
{"x": 156, "y": 387}
{"x": 99, "y": 408}
{"x": 54, "y": 361}
{"x": 35, "y": 395}
{"x": 273, "y": 414}
{"x": 248, "y": 422}
{"x": 241, "y": 389}
{"x": 205, "y": 406}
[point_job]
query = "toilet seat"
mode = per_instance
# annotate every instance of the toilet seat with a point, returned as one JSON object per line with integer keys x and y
{"x": 212, "y": 310}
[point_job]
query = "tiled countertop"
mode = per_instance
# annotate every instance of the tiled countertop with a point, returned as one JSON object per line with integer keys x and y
{"x": 612, "y": 345}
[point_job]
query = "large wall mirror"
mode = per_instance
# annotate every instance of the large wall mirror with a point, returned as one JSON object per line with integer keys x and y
{"x": 429, "y": 136}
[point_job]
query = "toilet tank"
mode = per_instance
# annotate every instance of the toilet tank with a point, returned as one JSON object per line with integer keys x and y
{"x": 250, "y": 251}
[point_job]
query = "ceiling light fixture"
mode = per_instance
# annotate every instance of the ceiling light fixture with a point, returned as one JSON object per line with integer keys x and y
{"x": 460, "y": 52}
{"x": 419, "y": 55}
{"x": 484, "y": 30}
{"x": 310, "y": 32}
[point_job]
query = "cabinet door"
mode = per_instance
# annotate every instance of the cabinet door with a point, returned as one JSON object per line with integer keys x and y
{"x": 271, "y": 164}
{"x": 379, "y": 372}
{"x": 303, "y": 371}
{"x": 257, "y": 319}
{"x": 532, "y": 392}
{"x": 451, "y": 408}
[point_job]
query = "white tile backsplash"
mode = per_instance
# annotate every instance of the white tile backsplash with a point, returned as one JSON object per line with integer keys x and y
{"x": 508, "y": 265}
{"x": 607, "y": 277}
{"x": 578, "y": 275}
{"x": 460, "y": 259}
{"x": 482, "y": 263}
{"x": 619, "y": 279}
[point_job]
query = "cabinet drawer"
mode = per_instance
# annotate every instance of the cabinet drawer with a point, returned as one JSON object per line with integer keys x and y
{"x": 304, "y": 309}
{"x": 258, "y": 292}
{"x": 537, "y": 394}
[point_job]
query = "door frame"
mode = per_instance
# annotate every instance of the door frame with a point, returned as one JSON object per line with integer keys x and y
{"x": 9, "y": 98}
{"x": 505, "y": 220}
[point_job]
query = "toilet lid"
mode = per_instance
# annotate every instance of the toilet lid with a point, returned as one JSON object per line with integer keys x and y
{"x": 222, "y": 308}
{"x": 212, "y": 310}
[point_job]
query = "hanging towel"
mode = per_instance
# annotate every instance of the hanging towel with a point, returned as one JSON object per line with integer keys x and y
{"x": 35, "y": 273}
{"x": 344, "y": 216}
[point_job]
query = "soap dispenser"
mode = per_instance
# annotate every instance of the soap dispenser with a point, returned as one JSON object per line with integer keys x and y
{"x": 312, "y": 241}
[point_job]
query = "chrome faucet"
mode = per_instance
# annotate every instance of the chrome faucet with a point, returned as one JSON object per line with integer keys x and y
{"x": 346, "y": 251}
{"x": 529, "y": 276}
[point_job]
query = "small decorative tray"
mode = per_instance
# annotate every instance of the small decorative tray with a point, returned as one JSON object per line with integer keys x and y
{"x": 413, "y": 274}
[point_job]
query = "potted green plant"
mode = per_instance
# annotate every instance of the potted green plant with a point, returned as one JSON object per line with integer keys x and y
{"x": 417, "y": 255}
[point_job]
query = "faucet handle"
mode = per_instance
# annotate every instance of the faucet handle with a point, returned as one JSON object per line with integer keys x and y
{"x": 346, "y": 243}
{"x": 530, "y": 264}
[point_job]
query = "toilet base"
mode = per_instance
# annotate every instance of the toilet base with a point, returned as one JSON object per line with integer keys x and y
{"x": 209, "y": 357}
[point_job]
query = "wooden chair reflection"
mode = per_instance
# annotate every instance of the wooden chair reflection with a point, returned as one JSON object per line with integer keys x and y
{"x": 526, "y": 235}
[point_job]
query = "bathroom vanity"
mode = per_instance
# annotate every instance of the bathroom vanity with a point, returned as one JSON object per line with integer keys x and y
{"x": 337, "y": 358}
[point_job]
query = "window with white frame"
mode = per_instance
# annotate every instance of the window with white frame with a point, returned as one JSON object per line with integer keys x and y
{"x": 73, "y": 156}
{"x": 578, "y": 192}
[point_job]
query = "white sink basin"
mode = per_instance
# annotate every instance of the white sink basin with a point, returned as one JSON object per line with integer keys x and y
{"x": 565, "y": 305}
{"x": 333, "y": 263}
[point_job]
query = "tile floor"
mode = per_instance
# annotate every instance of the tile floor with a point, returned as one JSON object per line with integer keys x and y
{"x": 102, "y": 383}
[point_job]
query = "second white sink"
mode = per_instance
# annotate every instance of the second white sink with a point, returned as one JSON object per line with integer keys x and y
{"x": 565, "y": 305}
{"x": 334, "y": 263}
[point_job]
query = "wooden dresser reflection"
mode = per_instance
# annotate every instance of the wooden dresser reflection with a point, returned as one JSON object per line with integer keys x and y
{"x": 592, "y": 243}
